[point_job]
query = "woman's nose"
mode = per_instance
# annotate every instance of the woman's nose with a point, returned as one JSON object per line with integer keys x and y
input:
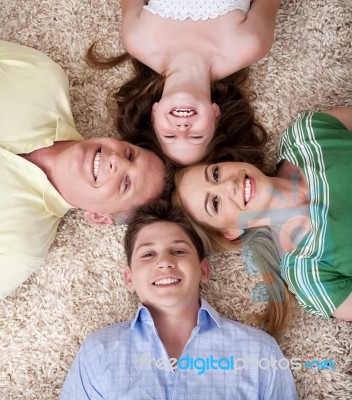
{"x": 183, "y": 127}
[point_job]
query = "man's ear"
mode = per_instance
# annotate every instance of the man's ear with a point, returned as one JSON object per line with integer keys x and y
{"x": 205, "y": 271}
{"x": 127, "y": 275}
{"x": 233, "y": 234}
{"x": 99, "y": 219}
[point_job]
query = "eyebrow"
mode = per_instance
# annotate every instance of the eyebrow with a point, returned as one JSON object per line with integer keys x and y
{"x": 147, "y": 244}
{"x": 206, "y": 200}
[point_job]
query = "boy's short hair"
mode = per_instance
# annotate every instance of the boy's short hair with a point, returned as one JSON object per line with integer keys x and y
{"x": 160, "y": 211}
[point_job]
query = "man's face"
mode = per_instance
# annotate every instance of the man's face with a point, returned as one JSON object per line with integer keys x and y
{"x": 165, "y": 270}
{"x": 106, "y": 175}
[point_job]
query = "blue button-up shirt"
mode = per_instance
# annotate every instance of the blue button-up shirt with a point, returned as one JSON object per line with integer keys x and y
{"x": 222, "y": 359}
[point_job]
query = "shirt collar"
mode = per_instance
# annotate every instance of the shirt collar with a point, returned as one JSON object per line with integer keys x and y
{"x": 207, "y": 316}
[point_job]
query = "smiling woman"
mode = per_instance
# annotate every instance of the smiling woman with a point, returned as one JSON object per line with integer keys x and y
{"x": 304, "y": 205}
{"x": 184, "y": 99}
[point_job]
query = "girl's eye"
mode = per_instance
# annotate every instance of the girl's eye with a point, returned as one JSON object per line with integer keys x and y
{"x": 197, "y": 137}
{"x": 130, "y": 154}
{"x": 216, "y": 174}
{"x": 215, "y": 203}
{"x": 169, "y": 137}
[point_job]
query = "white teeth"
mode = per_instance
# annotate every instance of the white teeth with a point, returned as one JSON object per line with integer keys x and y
{"x": 166, "y": 281}
{"x": 96, "y": 165}
{"x": 247, "y": 190}
{"x": 183, "y": 112}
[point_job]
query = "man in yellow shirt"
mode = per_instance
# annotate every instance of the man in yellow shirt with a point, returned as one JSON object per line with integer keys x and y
{"x": 47, "y": 168}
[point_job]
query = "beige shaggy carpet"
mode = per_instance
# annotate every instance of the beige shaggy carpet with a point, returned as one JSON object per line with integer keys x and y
{"x": 80, "y": 287}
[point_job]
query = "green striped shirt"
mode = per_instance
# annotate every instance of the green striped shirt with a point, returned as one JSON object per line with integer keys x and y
{"x": 319, "y": 270}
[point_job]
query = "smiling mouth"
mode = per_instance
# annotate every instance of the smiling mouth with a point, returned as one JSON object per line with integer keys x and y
{"x": 183, "y": 112}
{"x": 96, "y": 164}
{"x": 166, "y": 282}
{"x": 247, "y": 195}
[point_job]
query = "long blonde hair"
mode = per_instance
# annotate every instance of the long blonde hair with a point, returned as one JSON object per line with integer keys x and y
{"x": 278, "y": 314}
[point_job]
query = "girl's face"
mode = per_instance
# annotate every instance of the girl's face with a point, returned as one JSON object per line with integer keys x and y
{"x": 184, "y": 126}
{"x": 225, "y": 195}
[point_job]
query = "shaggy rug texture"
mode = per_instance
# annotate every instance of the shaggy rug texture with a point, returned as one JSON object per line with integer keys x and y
{"x": 80, "y": 288}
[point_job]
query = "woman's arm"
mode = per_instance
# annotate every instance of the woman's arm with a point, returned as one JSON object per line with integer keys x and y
{"x": 343, "y": 114}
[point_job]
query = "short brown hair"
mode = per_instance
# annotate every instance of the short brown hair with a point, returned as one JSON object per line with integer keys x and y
{"x": 160, "y": 211}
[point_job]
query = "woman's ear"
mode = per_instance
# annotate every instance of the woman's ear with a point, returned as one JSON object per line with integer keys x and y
{"x": 152, "y": 114}
{"x": 98, "y": 219}
{"x": 205, "y": 271}
{"x": 127, "y": 275}
{"x": 233, "y": 234}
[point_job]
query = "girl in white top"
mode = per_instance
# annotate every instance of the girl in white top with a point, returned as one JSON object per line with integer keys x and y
{"x": 194, "y": 43}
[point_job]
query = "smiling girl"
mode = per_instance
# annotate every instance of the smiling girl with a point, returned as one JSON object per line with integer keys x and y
{"x": 178, "y": 100}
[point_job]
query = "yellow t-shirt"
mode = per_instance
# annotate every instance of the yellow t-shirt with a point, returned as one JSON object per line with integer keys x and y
{"x": 34, "y": 112}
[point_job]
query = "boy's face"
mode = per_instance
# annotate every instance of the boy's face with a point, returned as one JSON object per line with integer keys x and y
{"x": 165, "y": 270}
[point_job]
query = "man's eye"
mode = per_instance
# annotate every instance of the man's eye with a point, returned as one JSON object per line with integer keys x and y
{"x": 126, "y": 184}
{"x": 216, "y": 174}
{"x": 215, "y": 203}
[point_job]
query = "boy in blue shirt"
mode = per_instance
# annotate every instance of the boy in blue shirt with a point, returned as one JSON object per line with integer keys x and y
{"x": 177, "y": 346}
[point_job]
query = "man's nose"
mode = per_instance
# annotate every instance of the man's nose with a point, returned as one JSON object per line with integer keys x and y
{"x": 117, "y": 163}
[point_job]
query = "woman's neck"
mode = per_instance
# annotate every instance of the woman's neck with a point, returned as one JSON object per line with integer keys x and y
{"x": 290, "y": 217}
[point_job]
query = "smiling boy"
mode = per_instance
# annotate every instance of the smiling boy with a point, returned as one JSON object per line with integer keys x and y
{"x": 47, "y": 168}
{"x": 177, "y": 346}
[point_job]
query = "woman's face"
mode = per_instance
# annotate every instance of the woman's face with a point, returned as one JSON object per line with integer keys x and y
{"x": 225, "y": 196}
{"x": 184, "y": 126}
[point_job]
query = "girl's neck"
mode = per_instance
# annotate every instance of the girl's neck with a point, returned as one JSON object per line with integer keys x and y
{"x": 187, "y": 71}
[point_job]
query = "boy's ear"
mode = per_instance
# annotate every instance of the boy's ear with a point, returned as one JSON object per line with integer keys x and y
{"x": 127, "y": 275}
{"x": 233, "y": 234}
{"x": 98, "y": 219}
{"x": 205, "y": 271}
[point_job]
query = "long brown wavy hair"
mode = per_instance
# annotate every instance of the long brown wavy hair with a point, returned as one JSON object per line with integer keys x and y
{"x": 238, "y": 135}
{"x": 278, "y": 314}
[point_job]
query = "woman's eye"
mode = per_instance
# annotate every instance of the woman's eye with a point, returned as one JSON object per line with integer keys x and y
{"x": 216, "y": 174}
{"x": 215, "y": 203}
{"x": 197, "y": 137}
{"x": 169, "y": 136}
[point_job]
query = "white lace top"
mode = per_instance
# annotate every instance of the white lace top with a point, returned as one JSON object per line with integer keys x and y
{"x": 195, "y": 9}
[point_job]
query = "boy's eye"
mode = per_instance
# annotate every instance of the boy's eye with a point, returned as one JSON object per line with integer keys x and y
{"x": 179, "y": 252}
{"x": 147, "y": 255}
{"x": 216, "y": 174}
{"x": 215, "y": 203}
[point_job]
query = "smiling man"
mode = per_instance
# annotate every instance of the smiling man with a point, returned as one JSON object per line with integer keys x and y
{"x": 47, "y": 168}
